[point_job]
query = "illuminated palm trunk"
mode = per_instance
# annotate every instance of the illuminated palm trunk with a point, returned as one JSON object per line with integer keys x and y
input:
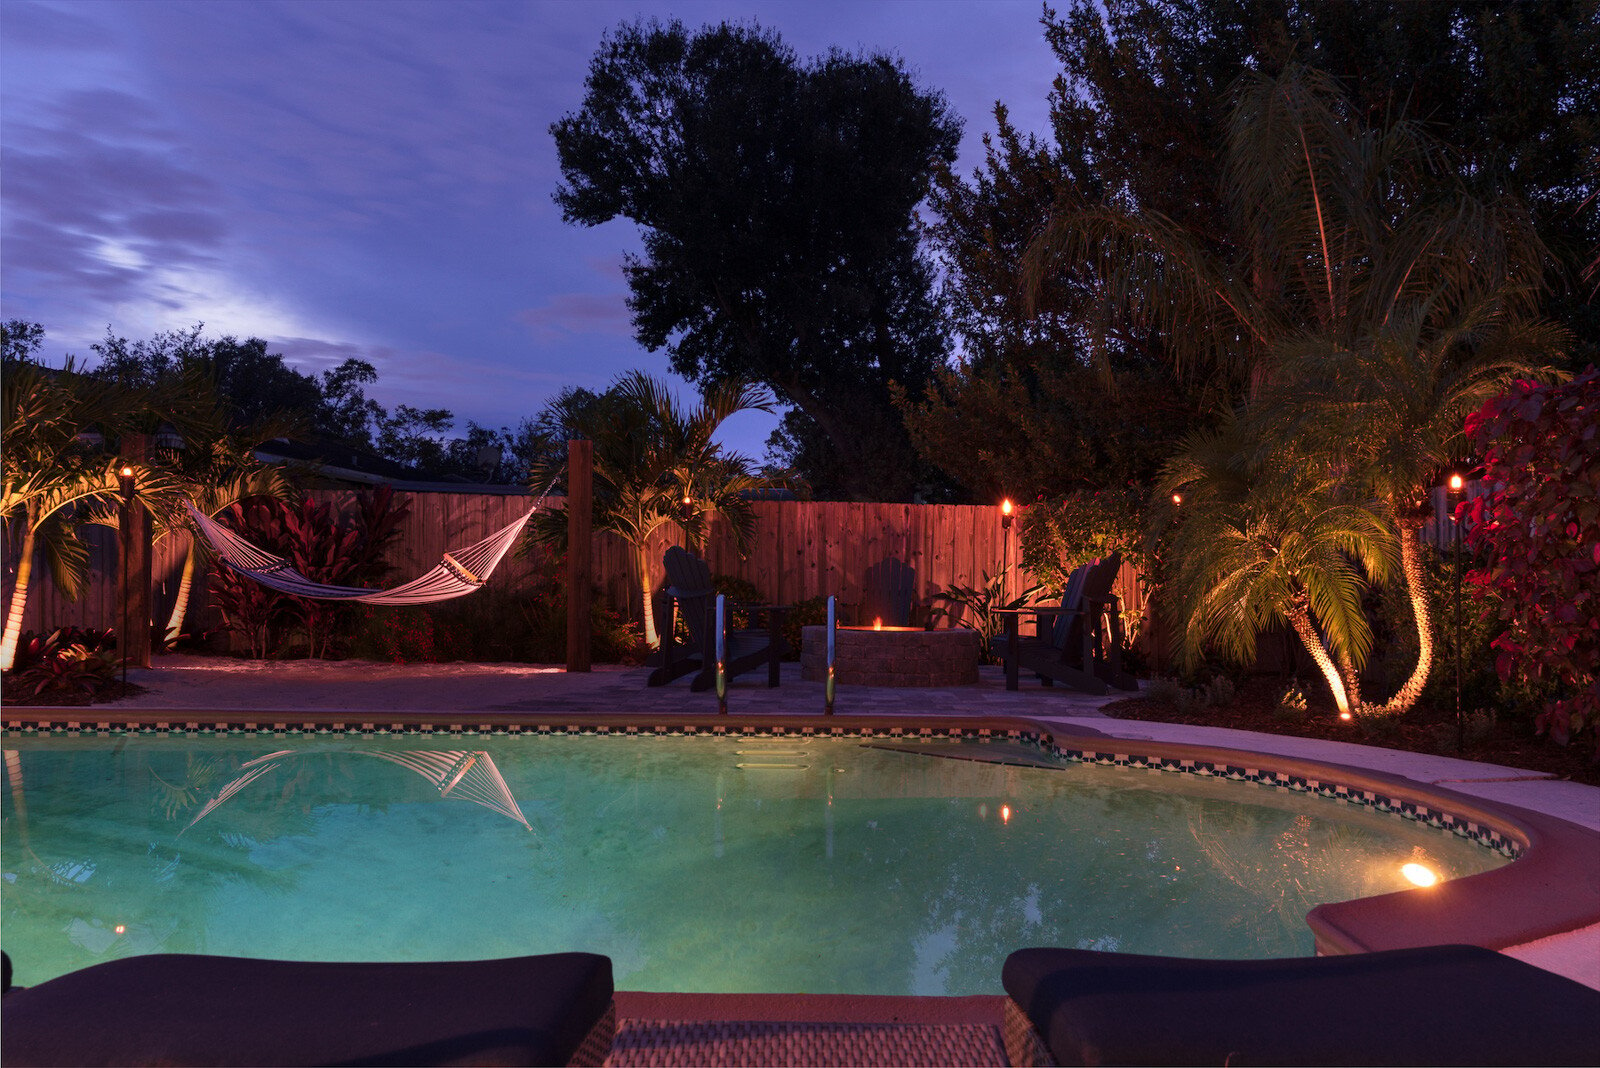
{"x": 1300, "y": 620}
{"x": 1421, "y": 611}
{"x": 180, "y": 608}
{"x": 641, "y": 557}
{"x": 19, "y": 601}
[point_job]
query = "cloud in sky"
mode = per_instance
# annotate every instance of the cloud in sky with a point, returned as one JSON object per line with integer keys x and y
{"x": 375, "y": 178}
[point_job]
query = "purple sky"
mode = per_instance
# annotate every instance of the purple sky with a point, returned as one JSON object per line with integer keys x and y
{"x": 373, "y": 179}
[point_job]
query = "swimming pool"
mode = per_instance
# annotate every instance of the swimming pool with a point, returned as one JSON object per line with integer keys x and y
{"x": 779, "y": 864}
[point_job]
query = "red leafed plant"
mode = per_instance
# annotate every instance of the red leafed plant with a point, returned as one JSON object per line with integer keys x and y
{"x": 322, "y": 545}
{"x": 1540, "y": 531}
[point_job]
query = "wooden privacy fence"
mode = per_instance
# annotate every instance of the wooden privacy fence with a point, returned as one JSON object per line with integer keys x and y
{"x": 801, "y": 549}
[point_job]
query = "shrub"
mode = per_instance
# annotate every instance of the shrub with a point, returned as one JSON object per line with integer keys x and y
{"x": 525, "y": 625}
{"x": 811, "y": 612}
{"x": 1061, "y": 533}
{"x": 33, "y": 647}
{"x": 321, "y": 546}
{"x": 1539, "y": 531}
{"x": 66, "y": 661}
{"x": 981, "y": 610}
{"x": 1293, "y": 704}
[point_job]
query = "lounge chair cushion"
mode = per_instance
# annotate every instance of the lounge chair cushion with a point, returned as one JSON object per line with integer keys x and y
{"x": 1435, "y": 1005}
{"x": 181, "y": 1009}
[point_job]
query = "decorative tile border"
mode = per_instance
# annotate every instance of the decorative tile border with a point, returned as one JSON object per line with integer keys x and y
{"x": 555, "y": 727}
{"x": 1484, "y": 835}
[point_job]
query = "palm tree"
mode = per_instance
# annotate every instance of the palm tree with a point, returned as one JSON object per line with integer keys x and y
{"x": 655, "y": 464}
{"x": 57, "y": 478}
{"x": 1365, "y": 302}
{"x": 213, "y": 472}
{"x": 1264, "y": 538}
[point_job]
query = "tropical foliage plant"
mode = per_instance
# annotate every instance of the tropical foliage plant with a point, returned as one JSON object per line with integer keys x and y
{"x": 1368, "y": 300}
{"x": 66, "y": 662}
{"x": 58, "y": 474}
{"x": 1264, "y": 538}
{"x": 1539, "y": 529}
{"x": 333, "y": 547}
{"x": 982, "y": 608}
{"x": 656, "y": 465}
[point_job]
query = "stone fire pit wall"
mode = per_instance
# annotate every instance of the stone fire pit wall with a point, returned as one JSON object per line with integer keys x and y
{"x": 892, "y": 657}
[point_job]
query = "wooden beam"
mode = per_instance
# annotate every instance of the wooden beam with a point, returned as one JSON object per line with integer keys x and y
{"x": 580, "y": 550}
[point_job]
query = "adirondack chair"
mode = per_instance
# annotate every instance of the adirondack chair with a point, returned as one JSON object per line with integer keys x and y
{"x": 689, "y": 595}
{"x": 889, "y": 586}
{"x": 1078, "y": 644}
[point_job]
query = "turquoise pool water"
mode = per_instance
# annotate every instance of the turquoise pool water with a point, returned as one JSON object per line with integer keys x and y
{"x": 696, "y": 864}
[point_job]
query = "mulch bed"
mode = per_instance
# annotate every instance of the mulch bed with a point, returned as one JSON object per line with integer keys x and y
{"x": 1422, "y": 730}
{"x": 68, "y": 698}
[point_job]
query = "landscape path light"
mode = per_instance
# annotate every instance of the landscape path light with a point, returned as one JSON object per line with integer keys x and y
{"x": 1456, "y": 486}
{"x": 125, "y": 482}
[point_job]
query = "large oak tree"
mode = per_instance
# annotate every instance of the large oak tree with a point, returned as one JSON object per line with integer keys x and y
{"x": 777, "y": 200}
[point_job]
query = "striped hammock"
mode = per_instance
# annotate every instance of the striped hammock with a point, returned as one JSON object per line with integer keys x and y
{"x": 466, "y": 775}
{"x": 456, "y": 575}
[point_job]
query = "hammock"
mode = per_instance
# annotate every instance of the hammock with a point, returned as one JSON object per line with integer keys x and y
{"x": 468, "y": 775}
{"x": 457, "y": 574}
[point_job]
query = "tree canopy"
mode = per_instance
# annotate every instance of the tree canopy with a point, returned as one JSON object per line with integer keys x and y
{"x": 1139, "y": 118}
{"x": 777, "y": 202}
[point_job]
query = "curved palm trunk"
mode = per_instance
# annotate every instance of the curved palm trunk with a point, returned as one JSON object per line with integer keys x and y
{"x": 1352, "y": 679}
{"x": 1300, "y": 620}
{"x": 19, "y": 602}
{"x": 180, "y": 607}
{"x": 1416, "y": 588}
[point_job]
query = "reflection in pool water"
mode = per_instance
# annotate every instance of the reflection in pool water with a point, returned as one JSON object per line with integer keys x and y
{"x": 697, "y": 864}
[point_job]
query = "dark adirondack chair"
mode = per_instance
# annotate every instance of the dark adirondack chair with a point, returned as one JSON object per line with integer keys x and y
{"x": 889, "y": 587}
{"x": 690, "y": 596}
{"x": 1078, "y": 644}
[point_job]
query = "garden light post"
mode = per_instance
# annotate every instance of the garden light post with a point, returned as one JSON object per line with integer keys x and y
{"x": 125, "y": 518}
{"x": 1005, "y": 548}
{"x": 1456, "y": 485}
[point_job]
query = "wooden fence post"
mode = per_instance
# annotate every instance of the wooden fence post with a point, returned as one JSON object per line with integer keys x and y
{"x": 134, "y": 543}
{"x": 580, "y": 551}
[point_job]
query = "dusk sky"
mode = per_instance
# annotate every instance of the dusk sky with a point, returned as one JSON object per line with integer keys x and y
{"x": 374, "y": 179}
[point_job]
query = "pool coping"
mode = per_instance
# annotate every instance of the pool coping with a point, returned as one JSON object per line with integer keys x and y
{"x": 1546, "y": 890}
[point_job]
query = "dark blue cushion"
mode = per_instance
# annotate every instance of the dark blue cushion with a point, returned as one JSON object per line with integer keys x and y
{"x": 180, "y": 1009}
{"x": 1443, "y": 1005}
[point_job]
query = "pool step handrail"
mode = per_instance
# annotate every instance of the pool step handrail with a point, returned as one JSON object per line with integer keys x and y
{"x": 828, "y": 689}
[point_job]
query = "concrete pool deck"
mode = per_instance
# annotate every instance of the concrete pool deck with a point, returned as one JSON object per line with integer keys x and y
{"x": 476, "y": 692}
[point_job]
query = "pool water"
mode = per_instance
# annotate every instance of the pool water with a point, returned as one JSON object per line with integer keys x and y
{"x": 696, "y": 864}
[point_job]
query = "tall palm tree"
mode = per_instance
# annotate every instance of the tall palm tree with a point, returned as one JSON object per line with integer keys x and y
{"x": 1365, "y": 299}
{"x": 655, "y": 464}
{"x": 56, "y": 478}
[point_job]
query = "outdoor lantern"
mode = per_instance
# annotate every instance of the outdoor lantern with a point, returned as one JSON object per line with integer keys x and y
{"x": 1177, "y": 499}
{"x": 1005, "y": 514}
{"x": 1455, "y": 483}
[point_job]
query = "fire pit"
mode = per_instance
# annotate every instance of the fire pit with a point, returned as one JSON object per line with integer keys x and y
{"x": 891, "y": 656}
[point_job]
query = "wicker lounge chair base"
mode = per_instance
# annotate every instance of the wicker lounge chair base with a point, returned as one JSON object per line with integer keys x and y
{"x": 178, "y": 1009}
{"x": 1441, "y": 1005}
{"x": 666, "y": 1043}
